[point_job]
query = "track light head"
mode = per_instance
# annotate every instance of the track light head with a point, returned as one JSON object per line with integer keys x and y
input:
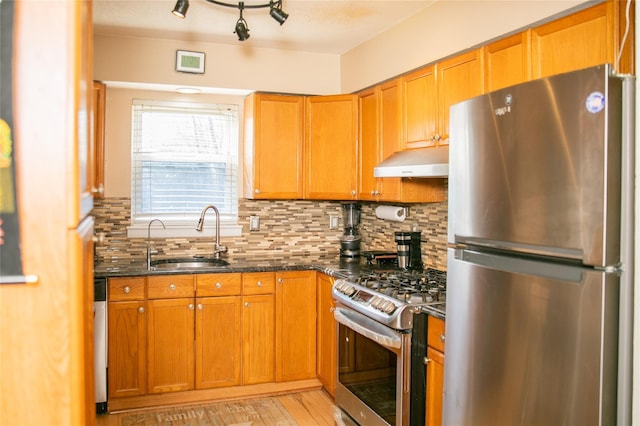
{"x": 277, "y": 13}
{"x": 242, "y": 30}
{"x": 180, "y": 10}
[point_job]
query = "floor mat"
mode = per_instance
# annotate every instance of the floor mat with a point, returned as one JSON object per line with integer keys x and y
{"x": 251, "y": 412}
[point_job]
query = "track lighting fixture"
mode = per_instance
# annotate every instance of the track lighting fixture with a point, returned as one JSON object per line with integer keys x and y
{"x": 242, "y": 30}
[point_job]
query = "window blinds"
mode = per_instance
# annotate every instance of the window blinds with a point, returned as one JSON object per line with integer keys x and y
{"x": 184, "y": 157}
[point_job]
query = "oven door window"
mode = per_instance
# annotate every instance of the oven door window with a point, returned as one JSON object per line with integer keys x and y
{"x": 368, "y": 370}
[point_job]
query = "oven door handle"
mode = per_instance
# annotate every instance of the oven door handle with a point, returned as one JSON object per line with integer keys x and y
{"x": 369, "y": 328}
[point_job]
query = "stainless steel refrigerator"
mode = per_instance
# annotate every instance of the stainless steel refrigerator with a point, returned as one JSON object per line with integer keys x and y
{"x": 539, "y": 279}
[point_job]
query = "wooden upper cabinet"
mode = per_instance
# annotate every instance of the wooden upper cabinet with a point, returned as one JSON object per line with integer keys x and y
{"x": 273, "y": 146}
{"x": 428, "y": 93}
{"x": 99, "y": 105}
{"x": 507, "y": 61}
{"x": 369, "y": 140}
{"x": 81, "y": 141}
{"x": 331, "y": 147}
{"x": 584, "y": 39}
{"x": 459, "y": 78}
{"x": 389, "y": 128}
{"x": 379, "y": 111}
{"x": 419, "y": 108}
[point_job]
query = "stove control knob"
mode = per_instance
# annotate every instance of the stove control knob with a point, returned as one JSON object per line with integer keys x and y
{"x": 345, "y": 288}
{"x": 375, "y": 302}
{"x": 389, "y": 307}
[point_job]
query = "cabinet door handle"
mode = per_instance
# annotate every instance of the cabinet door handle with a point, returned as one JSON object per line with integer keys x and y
{"x": 191, "y": 306}
{"x": 426, "y": 360}
{"x": 331, "y": 309}
{"x": 126, "y": 289}
{"x": 200, "y": 307}
{"x": 257, "y": 191}
{"x": 280, "y": 280}
{"x": 172, "y": 286}
{"x": 259, "y": 283}
{"x": 218, "y": 285}
{"x": 442, "y": 338}
{"x": 246, "y": 304}
{"x": 141, "y": 309}
{"x": 98, "y": 190}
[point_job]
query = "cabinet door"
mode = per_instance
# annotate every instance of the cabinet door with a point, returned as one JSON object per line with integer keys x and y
{"x": 507, "y": 61}
{"x": 99, "y": 102}
{"x": 218, "y": 341}
{"x": 127, "y": 349}
{"x": 369, "y": 142}
{"x": 577, "y": 41}
{"x": 331, "y": 167}
{"x": 326, "y": 334}
{"x": 435, "y": 381}
{"x": 419, "y": 108}
{"x": 274, "y": 139}
{"x": 258, "y": 339}
{"x": 389, "y": 140}
{"x": 459, "y": 78}
{"x": 81, "y": 291}
{"x": 295, "y": 325}
{"x": 170, "y": 355}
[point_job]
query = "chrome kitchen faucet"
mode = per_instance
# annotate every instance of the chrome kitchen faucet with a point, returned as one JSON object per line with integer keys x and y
{"x": 218, "y": 248}
{"x": 149, "y": 241}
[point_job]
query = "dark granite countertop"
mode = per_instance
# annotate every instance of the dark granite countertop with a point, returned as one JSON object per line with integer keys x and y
{"x": 331, "y": 265}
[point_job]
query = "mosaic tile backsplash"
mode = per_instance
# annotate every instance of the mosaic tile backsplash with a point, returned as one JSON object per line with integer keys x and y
{"x": 287, "y": 227}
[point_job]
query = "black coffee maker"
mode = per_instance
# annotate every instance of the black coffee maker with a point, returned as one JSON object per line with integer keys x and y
{"x": 350, "y": 240}
{"x": 409, "y": 250}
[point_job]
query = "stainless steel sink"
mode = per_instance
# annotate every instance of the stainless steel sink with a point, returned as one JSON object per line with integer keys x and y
{"x": 188, "y": 263}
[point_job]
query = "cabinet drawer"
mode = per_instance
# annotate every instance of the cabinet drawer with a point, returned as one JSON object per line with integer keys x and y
{"x": 170, "y": 286}
{"x": 435, "y": 333}
{"x": 127, "y": 288}
{"x": 258, "y": 283}
{"x": 219, "y": 284}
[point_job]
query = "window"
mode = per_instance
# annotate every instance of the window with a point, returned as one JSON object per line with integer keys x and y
{"x": 184, "y": 157}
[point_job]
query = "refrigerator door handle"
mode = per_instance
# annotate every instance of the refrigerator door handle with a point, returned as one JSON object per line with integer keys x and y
{"x": 565, "y": 253}
{"x": 562, "y": 272}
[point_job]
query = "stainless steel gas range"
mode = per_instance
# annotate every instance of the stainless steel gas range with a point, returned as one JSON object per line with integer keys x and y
{"x": 382, "y": 333}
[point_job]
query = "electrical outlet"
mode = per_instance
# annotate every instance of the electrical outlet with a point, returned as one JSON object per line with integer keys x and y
{"x": 254, "y": 223}
{"x": 333, "y": 221}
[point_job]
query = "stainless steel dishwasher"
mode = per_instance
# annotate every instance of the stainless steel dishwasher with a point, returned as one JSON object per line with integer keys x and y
{"x": 100, "y": 342}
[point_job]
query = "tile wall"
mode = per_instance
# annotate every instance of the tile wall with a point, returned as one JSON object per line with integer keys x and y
{"x": 287, "y": 227}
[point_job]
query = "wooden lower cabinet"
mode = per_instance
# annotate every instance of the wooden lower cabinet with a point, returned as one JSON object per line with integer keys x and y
{"x": 326, "y": 367}
{"x": 258, "y": 339}
{"x": 170, "y": 356}
{"x": 435, "y": 381}
{"x": 295, "y": 325}
{"x": 180, "y": 333}
{"x": 218, "y": 341}
{"x": 127, "y": 341}
{"x": 435, "y": 371}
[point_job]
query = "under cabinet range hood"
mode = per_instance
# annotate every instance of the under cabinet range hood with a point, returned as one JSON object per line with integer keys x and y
{"x": 422, "y": 162}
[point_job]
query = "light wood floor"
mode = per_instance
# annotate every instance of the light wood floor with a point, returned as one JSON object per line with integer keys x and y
{"x": 307, "y": 408}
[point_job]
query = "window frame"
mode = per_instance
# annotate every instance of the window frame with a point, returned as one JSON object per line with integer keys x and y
{"x": 175, "y": 228}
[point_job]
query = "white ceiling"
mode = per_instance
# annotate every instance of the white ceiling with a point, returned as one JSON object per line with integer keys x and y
{"x": 320, "y": 26}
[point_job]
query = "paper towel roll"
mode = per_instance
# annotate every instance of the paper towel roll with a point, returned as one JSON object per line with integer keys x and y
{"x": 395, "y": 213}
